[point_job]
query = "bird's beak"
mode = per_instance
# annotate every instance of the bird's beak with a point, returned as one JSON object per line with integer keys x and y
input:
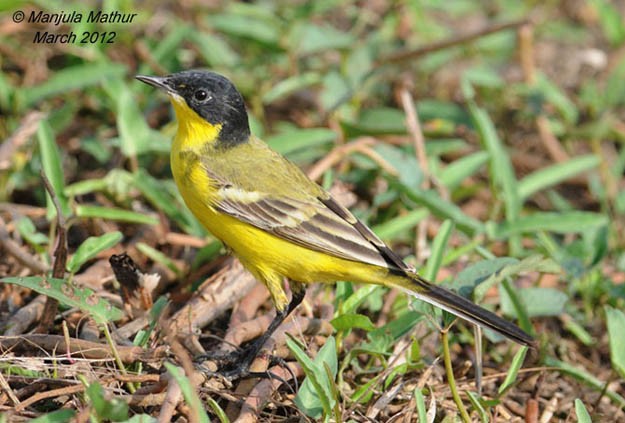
{"x": 158, "y": 82}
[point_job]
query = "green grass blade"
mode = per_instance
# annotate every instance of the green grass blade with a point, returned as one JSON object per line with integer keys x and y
{"x": 420, "y": 400}
{"x": 438, "y": 250}
{"x": 513, "y": 371}
{"x": 400, "y": 224}
{"x": 581, "y": 412}
{"x": 562, "y": 222}
{"x": 59, "y": 416}
{"x": 315, "y": 391}
{"x": 90, "y": 248}
{"x": 585, "y": 377}
{"x": 616, "y": 330}
{"x": 457, "y": 171}
{"x": 158, "y": 257}
{"x": 502, "y": 171}
{"x": 441, "y": 208}
{"x": 554, "y": 174}
{"x": 53, "y": 168}
{"x": 72, "y": 78}
{"x": 219, "y": 412}
{"x": 477, "y": 405}
{"x": 119, "y": 215}
{"x": 188, "y": 392}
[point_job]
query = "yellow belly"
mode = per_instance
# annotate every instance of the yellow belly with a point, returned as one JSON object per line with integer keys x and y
{"x": 267, "y": 256}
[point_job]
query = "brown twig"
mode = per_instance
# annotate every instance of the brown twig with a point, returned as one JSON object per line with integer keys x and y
{"x": 247, "y": 331}
{"x": 15, "y": 250}
{"x": 171, "y": 399}
{"x": 185, "y": 240}
{"x": 248, "y": 306}
{"x": 418, "y": 140}
{"x": 308, "y": 326}
{"x": 403, "y": 56}
{"x": 60, "y": 259}
{"x": 28, "y": 126}
{"x": 56, "y": 344}
{"x": 336, "y": 155}
{"x": 215, "y": 296}
{"x": 68, "y": 390}
{"x": 8, "y": 391}
{"x": 174, "y": 394}
{"x": 260, "y": 394}
{"x": 526, "y": 57}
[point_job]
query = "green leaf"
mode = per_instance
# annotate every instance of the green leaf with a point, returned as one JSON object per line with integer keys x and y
{"x": 477, "y": 405}
{"x": 554, "y": 174}
{"x": 72, "y": 78}
{"x": 578, "y": 330}
{"x": 581, "y": 412}
{"x": 141, "y": 418}
{"x": 350, "y": 305}
{"x": 584, "y": 376}
{"x": 135, "y": 136}
{"x": 85, "y": 187}
{"x": 537, "y": 301}
{"x": 438, "y": 250}
{"x": 28, "y": 231}
{"x": 168, "y": 47}
{"x": 215, "y": 49}
{"x": 497, "y": 269}
{"x": 119, "y": 215}
{"x": 420, "y": 402}
{"x": 410, "y": 173}
{"x": 188, "y": 392}
{"x": 432, "y": 109}
{"x": 53, "y": 168}
{"x": 513, "y": 371}
{"x": 611, "y": 21}
{"x": 456, "y": 172}
{"x": 91, "y": 247}
{"x": 335, "y": 90}
{"x": 293, "y": 140}
{"x": 315, "y": 395}
{"x": 484, "y": 77}
{"x": 164, "y": 199}
{"x": 377, "y": 121}
{"x": 83, "y": 298}
{"x": 290, "y": 85}
{"x": 159, "y": 257}
{"x": 114, "y": 409}
{"x": 560, "y": 222}
{"x": 554, "y": 95}
{"x": 59, "y": 416}
{"x": 441, "y": 208}
{"x": 396, "y": 328}
{"x": 310, "y": 38}
{"x": 400, "y": 224}
{"x": 262, "y": 29}
{"x": 219, "y": 412}
{"x": 502, "y": 171}
{"x": 616, "y": 331}
{"x": 352, "y": 321}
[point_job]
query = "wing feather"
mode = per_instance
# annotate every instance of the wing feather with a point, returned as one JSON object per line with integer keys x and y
{"x": 319, "y": 224}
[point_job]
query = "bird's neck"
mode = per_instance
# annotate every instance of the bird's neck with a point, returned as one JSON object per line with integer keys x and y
{"x": 194, "y": 132}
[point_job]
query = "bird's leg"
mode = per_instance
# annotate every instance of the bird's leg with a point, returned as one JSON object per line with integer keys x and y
{"x": 238, "y": 364}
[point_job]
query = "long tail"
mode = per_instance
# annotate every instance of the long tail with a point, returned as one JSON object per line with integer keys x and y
{"x": 420, "y": 288}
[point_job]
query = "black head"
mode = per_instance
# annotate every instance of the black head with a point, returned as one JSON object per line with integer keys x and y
{"x": 211, "y": 96}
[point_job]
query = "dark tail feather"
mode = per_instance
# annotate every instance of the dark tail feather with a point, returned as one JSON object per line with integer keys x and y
{"x": 465, "y": 309}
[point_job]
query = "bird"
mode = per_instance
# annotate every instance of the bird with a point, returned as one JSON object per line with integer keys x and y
{"x": 278, "y": 222}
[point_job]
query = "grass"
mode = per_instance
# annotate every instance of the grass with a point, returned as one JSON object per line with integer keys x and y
{"x": 514, "y": 199}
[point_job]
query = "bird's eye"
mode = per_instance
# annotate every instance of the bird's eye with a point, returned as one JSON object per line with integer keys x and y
{"x": 201, "y": 95}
